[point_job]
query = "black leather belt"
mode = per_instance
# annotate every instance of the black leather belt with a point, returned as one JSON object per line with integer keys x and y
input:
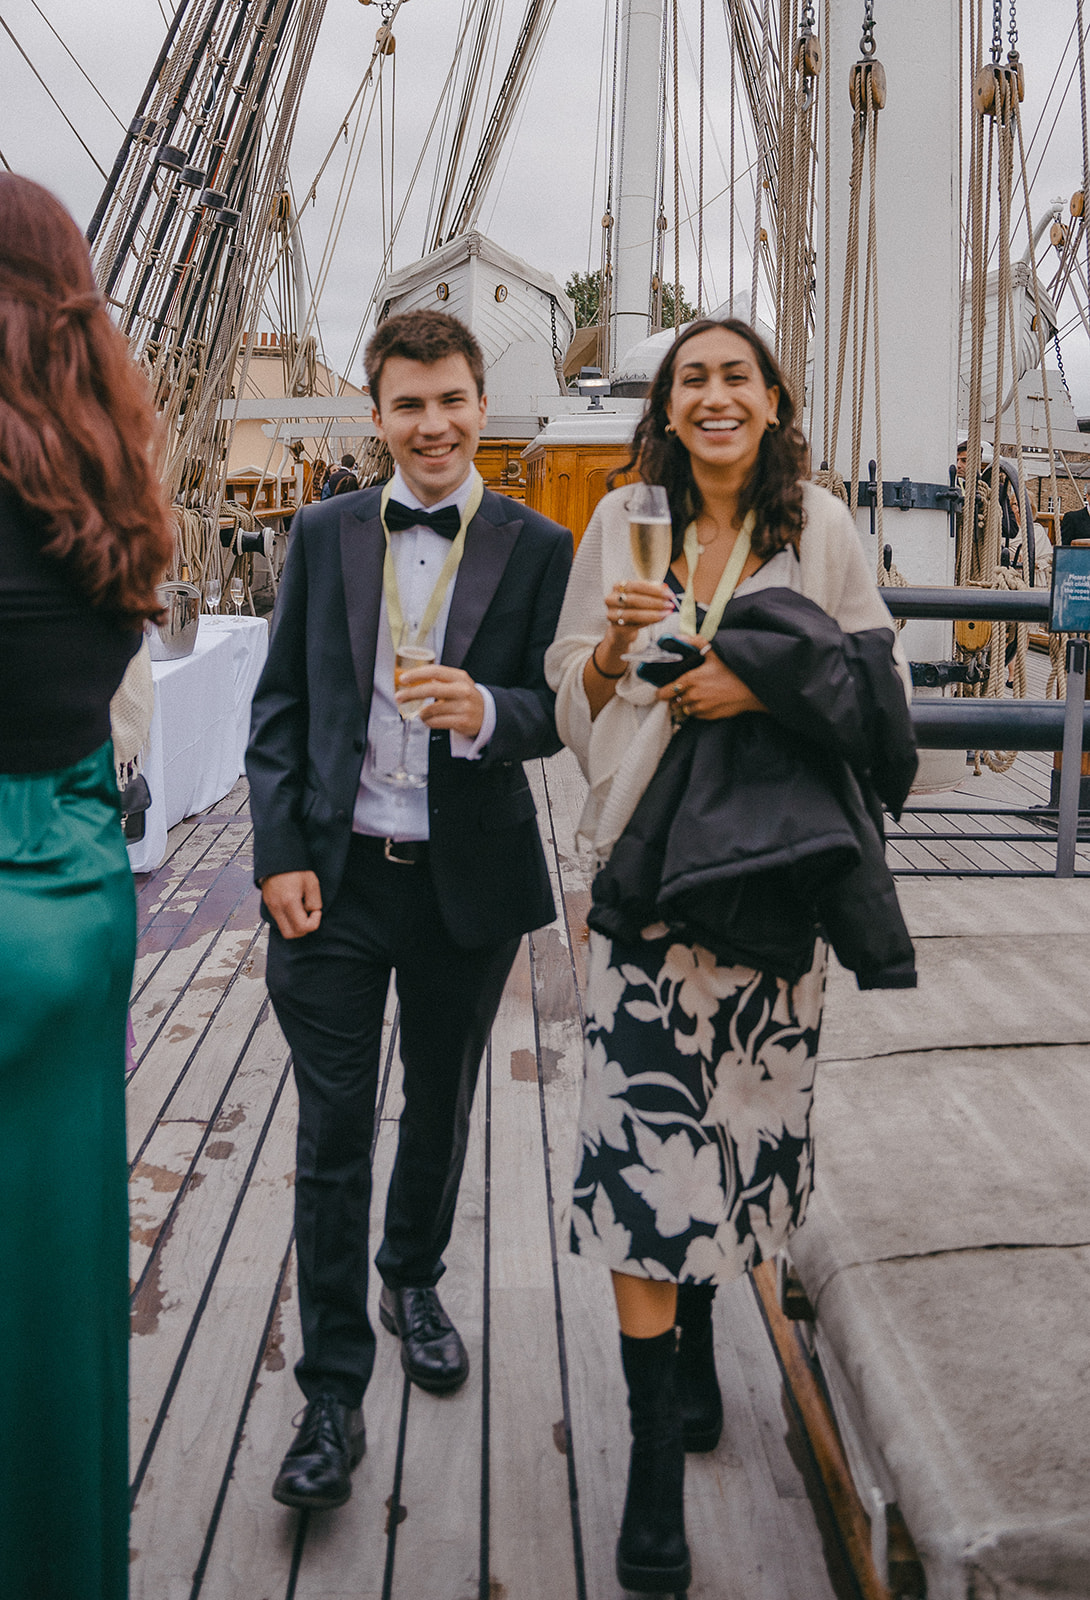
{"x": 402, "y": 852}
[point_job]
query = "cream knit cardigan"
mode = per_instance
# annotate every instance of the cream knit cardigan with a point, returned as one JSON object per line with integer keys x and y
{"x": 620, "y": 749}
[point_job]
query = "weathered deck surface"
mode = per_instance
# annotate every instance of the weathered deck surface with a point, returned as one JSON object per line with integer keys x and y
{"x": 513, "y": 1487}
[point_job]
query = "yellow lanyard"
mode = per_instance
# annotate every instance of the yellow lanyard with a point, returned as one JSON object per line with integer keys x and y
{"x": 394, "y": 614}
{"x": 725, "y": 587}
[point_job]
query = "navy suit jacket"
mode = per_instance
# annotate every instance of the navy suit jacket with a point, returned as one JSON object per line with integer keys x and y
{"x": 310, "y": 709}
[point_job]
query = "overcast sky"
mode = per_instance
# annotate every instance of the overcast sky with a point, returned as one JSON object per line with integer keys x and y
{"x": 547, "y": 201}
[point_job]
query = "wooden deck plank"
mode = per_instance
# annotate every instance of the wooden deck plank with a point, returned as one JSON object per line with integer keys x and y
{"x": 171, "y": 1517}
{"x": 532, "y": 1552}
{"x": 171, "y": 1296}
{"x": 438, "y": 1549}
{"x": 256, "y": 1538}
{"x": 183, "y": 1076}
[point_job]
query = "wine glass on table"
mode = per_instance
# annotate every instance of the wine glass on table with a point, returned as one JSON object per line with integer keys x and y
{"x": 651, "y": 537}
{"x": 213, "y": 589}
{"x": 409, "y": 654}
{"x": 238, "y": 594}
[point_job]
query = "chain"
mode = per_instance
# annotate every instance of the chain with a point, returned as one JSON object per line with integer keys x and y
{"x": 808, "y": 24}
{"x": 997, "y": 31}
{"x": 866, "y": 43}
{"x": 552, "y": 312}
{"x": 388, "y": 8}
{"x": 1060, "y": 364}
{"x": 1012, "y": 33}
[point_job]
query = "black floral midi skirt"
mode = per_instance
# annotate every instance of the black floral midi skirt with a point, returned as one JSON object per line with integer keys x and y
{"x": 695, "y": 1161}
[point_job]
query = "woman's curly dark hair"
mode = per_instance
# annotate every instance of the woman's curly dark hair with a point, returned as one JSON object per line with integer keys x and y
{"x": 77, "y": 423}
{"x": 774, "y": 490}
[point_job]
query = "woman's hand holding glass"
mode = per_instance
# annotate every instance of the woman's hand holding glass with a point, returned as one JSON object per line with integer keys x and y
{"x": 632, "y": 604}
{"x": 709, "y": 692}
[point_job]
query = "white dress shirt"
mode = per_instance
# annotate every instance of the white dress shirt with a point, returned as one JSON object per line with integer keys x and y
{"x": 387, "y": 810}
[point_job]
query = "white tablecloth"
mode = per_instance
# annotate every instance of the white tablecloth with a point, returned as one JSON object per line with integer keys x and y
{"x": 200, "y": 726}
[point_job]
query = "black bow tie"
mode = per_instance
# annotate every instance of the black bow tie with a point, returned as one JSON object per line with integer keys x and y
{"x": 447, "y": 521}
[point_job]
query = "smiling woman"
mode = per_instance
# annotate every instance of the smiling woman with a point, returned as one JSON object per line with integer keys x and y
{"x": 702, "y": 1027}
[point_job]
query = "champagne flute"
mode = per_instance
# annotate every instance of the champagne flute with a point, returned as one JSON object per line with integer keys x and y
{"x": 213, "y": 589}
{"x": 238, "y": 592}
{"x": 651, "y": 536}
{"x": 409, "y": 654}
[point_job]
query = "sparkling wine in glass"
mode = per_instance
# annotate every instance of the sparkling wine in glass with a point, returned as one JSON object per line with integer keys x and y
{"x": 213, "y": 589}
{"x": 650, "y": 535}
{"x": 238, "y": 593}
{"x": 408, "y": 656}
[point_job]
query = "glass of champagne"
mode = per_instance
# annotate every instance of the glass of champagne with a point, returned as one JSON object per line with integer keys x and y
{"x": 238, "y": 592}
{"x": 650, "y": 534}
{"x": 213, "y": 589}
{"x": 409, "y": 655}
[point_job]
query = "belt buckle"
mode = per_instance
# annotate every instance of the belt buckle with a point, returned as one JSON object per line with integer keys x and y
{"x": 388, "y": 848}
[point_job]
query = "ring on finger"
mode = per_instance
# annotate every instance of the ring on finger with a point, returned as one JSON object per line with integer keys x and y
{"x": 620, "y": 619}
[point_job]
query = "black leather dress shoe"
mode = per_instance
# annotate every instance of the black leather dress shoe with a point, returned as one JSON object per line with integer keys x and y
{"x": 315, "y": 1473}
{"x": 432, "y": 1352}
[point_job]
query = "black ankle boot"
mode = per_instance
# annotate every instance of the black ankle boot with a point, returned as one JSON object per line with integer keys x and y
{"x": 652, "y": 1555}
{"x": 699, "y": 1398}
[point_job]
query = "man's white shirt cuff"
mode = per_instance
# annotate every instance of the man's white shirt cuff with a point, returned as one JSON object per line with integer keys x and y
{"x": 464, "y": 748}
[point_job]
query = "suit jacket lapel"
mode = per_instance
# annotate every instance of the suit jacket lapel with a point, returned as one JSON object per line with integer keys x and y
{"x": 484, "y": 560}
{"x": 363, "y": 547}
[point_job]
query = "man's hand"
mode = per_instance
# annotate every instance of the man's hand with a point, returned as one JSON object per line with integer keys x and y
{"x": 294, "y": 900}
{"x": 455, "y": 702}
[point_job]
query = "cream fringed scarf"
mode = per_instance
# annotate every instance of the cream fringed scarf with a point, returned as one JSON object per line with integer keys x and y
{"x": 131, "y": 712}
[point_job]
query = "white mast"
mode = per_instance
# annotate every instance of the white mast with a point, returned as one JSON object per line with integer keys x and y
{"x": 637, "y": 92}
{"x": 919, "y": 282}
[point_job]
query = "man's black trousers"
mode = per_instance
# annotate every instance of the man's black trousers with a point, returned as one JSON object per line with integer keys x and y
{"x": 329, "y": 991}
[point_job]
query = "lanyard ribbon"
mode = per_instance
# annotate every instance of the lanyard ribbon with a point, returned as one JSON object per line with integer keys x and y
{"x": 394, "y": 614}
{"x": 726, "y": 585}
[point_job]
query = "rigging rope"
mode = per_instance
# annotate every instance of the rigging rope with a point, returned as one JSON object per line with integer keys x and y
{"x": 758, "y": 231}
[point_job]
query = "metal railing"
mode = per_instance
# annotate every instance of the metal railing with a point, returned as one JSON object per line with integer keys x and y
{"x": 990, "y": 724}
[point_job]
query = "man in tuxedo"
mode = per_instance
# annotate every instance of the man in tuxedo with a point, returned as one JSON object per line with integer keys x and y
{"x": 376, "y": 853}
{"x": 1076, "y": 524}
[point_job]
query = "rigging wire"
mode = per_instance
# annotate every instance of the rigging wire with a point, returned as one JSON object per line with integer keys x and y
{"x": 52, "y": 96}
{"x": 77, "y": 63}
{"x": 598, "y": 126}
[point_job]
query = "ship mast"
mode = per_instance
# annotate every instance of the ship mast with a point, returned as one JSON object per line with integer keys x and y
{"x": 638, "y": 90}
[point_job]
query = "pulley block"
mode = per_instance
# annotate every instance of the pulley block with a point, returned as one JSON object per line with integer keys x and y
{"x": 973, "y": 633}
{"x": 867, "y": 86}
{"x": 1077, "y": 203}
{"x": 385, "y": 40}
{"x": 808, "y": 56}
{"x": 986, "y": 84}
{"x": 1058, "y": 234}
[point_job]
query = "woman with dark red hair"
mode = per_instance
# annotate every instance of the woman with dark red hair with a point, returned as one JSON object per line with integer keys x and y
{"x": 84, "y": 539}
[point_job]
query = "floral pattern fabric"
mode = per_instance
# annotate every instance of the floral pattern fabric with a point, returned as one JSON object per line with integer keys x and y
{"x": 695, "y": 1125}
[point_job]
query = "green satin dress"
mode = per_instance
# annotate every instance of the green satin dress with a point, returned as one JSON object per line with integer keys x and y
{"x": 67, "y": 945}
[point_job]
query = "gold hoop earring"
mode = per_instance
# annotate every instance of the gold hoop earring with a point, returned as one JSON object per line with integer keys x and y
{"x": 772, "y": 424}
{"x": 670, "y": 428}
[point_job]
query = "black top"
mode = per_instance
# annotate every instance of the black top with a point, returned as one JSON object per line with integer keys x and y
{"x": 61, "y": 659}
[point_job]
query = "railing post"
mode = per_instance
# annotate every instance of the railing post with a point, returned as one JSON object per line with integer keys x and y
{"x": 1067, "y": 829}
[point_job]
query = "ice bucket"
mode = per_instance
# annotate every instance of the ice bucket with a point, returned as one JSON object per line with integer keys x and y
{"x": 176, "y": 635}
